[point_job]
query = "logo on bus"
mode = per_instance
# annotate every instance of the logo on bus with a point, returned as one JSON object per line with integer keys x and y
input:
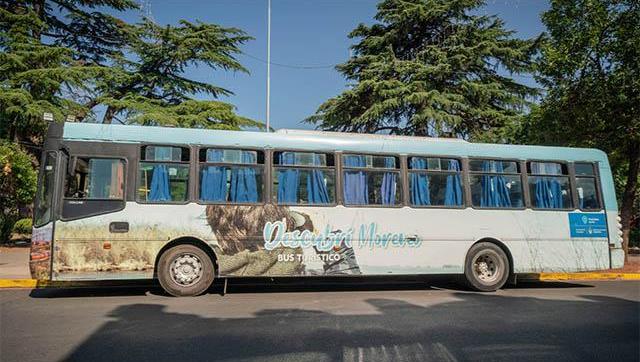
{"x": 275, "y": 235}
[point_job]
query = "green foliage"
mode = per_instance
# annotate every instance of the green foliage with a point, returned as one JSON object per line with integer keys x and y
{"x": 69, "y": 57}
{"x": 33, "y": 74}
{"x": 430, "y": 67}
{"x": 23, "y": 226}
{"x": 17, "y": 184}
{"x": 149, "y": 87}
{"x": 589, "y": 63}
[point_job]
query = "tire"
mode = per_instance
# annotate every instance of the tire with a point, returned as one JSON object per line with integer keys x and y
{"x": 185, "y": 271}
{"x": 486, "y": 267}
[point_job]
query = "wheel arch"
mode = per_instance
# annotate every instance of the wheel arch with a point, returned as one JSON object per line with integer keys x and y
{"x": 191, "y": 240}
{"x": 499, "y": 244}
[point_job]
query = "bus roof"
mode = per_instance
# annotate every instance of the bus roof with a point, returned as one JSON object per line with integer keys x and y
{"x": 323, "y": 141}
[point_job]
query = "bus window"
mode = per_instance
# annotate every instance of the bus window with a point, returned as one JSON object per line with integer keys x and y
{"x": 96, "y": 178}
{"x": 42, "y": 211}
{"x": 495, "y": 184}
{"x": 304, "y": 178}
{"x": 435, "y": 182}
{"x": 163, "y": 174}
{"x": 230, "y": 175}
{"x": 371, "y": 180}
{"x": 549, "y": 185}
{"x": 586, "y": 186}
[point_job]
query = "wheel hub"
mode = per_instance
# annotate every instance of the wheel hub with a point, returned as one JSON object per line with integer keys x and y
{"x": 186, "y": 269}
{"x": 487, "y": 268}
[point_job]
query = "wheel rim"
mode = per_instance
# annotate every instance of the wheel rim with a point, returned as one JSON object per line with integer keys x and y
{"x": 186, "y": 269}
{"x": 488, "y": 267}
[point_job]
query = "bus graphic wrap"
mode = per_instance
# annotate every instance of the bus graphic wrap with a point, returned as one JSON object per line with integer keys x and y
{"x": 133, "y": 202}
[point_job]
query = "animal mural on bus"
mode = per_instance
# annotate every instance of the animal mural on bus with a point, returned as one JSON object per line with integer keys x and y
{"x": 239, "y": 231}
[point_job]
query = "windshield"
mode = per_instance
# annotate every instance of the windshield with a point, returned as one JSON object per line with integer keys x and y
{"x": 44, "y": 199}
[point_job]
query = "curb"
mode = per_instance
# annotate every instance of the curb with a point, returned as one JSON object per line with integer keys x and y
{"x": 588, "y": 276}
{"x": 34, "y": 283}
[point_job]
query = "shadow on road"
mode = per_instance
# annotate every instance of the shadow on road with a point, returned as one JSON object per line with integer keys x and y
{"x": 473, "y": 327}
{"x": 288, "y": 285}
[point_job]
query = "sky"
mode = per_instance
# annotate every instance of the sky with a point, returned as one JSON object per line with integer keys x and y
{"x": 307, "y": 34}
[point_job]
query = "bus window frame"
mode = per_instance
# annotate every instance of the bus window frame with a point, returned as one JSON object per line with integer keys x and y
{"x": 402, "y": 202}
{"x": 189, "y": 197}
{"x": 471, "y": 173}
{"x": 273, "y": 169}
{"x": 198, "y": 164}
{"x": 124, "y": 183}
{"x": 462, "y": 173}
{"x": 598, "y": 184}
{"x": 122, "y": 200}
{"x": 56, "y": 192}
{"x": 566, "y": 164}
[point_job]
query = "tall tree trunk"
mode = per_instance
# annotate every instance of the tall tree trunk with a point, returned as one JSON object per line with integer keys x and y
{"x": 109, "y": 114}
{"x": 38, "y": 8}
{"x": 629, "y": 195}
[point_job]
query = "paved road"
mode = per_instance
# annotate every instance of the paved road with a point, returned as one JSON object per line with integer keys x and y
{"x": 541, "y": 321}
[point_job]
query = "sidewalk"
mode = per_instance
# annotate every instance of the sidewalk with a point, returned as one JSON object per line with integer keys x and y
{"x": 14, "y": 263}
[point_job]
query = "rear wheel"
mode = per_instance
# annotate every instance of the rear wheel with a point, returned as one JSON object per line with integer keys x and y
{"x": 486, "y": 267}
{"x": 185, "y": 270}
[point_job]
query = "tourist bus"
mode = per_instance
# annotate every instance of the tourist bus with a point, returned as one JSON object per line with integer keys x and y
{"x": 186, "y": 206}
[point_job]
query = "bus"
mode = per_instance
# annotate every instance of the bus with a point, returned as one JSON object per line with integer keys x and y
{"x": 186, "y": 206}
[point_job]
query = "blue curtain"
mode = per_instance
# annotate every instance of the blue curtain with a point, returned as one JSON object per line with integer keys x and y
{"x": 288, "y": 179}
{"x": 213, "y": 182}
{"x": 317, "y": 192}
{"x": 244, "y": 187}
{"x": 159, "y": 184}
{"x": 419, "y": 183}
{"x": 548, "y": 191}
{"x": 495, "y": 192}
{"x": 355, "y": 188}
{"x": 389, "y": 182}
{"x": 453, "y": 191}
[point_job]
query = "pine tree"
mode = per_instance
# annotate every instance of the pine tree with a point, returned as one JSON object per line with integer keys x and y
{"x": 69, "y": 58}
{"x": 33, "y": 75}
{"x": 430, "y": 67}
{"x": 148, "y": 86}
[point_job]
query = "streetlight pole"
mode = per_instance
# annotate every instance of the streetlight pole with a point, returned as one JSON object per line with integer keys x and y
{"x": 268, "y": 63}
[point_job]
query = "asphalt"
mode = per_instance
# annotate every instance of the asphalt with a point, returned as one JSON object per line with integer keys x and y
{"x": 397, "y": 321}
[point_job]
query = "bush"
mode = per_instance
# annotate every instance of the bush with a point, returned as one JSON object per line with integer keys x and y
{"x": 17, "y": 184}
{"x": 22, "y": 226}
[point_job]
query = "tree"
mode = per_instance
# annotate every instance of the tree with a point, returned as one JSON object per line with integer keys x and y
{"x": 590, "y": 64}
{"x": 430, "y": 67}
{"x": 69, "y": 58}
{"x": 17, "y": 184}
{"x": 33, "y": 75}
{"x": 148, "y": 86}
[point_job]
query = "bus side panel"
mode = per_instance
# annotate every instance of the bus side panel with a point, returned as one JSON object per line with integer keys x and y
{"x": 40, "y": 253}
{"x": 87, "y": 249}
{"x": 552, "y": 243}
{"x": 271, "y": 240}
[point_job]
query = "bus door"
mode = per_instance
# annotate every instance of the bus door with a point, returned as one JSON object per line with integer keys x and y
{"x": 93, "y": 191}
{"x": 44, "y": 216}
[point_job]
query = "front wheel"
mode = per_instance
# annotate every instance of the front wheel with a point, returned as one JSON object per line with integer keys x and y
{"x": 486, "y": 267}
{"x": 185, "y": 270}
